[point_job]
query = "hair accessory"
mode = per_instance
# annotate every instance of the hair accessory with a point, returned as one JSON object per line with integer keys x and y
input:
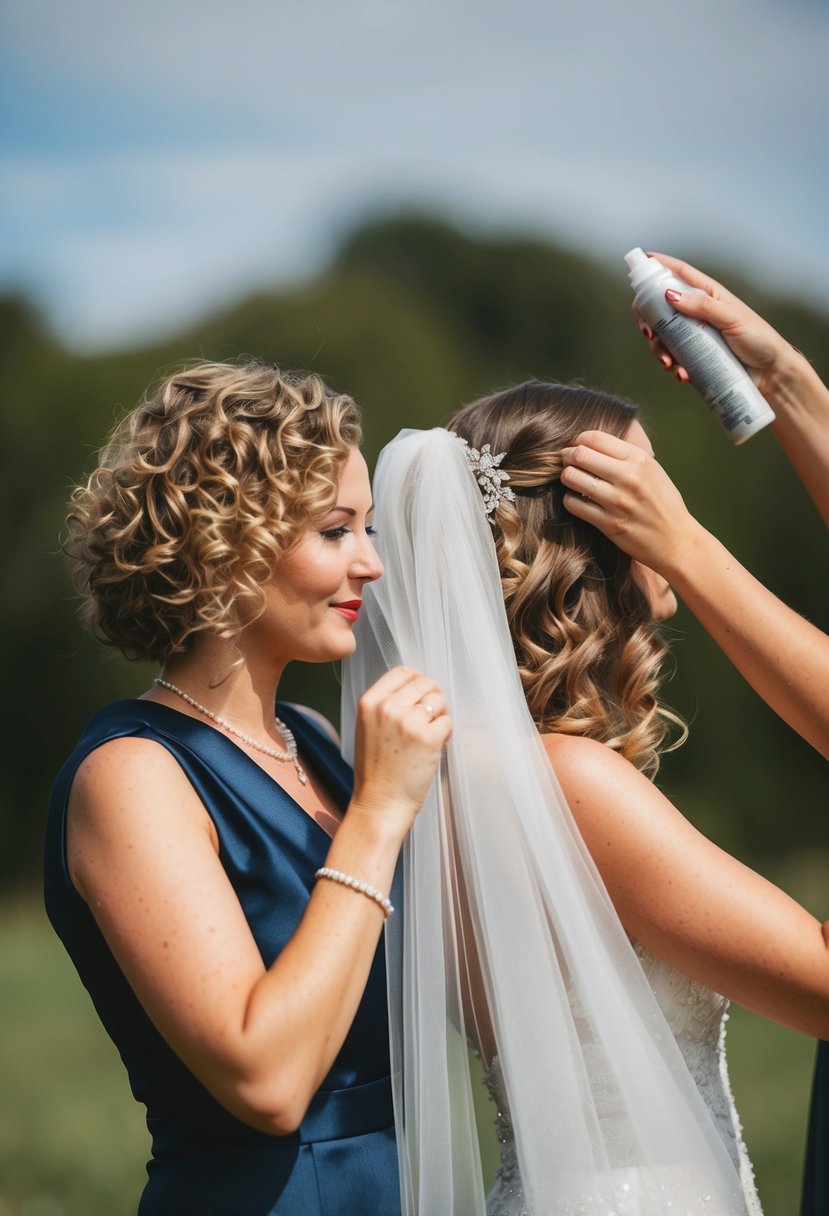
{"x": 489, "y": 476}
{"x": 357, "y": 884}
{"x": 290, "y": 753}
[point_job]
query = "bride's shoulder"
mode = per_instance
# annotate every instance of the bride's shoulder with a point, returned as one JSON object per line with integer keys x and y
{"x": 633, "y": 832}
{"x": 586, "y": 761}
{"x": 597, "y": 781}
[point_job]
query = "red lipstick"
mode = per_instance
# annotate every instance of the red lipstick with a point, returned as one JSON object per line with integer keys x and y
{"x": 348, "y": 608}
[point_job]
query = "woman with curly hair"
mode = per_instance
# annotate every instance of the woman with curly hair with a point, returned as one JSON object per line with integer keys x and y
{"x": 218, "y": 885}
{"x": 599, "y": 1020}
{"x": 581, "y": 614}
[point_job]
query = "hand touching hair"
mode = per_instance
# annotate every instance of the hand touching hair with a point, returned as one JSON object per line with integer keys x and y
{"x": 199, "y": 492}
{"x": 588, "y": 651}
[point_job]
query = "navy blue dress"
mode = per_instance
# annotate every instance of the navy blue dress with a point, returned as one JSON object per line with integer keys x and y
{"x": 816, "y": 1178}
{"x": 205, "y": 1162}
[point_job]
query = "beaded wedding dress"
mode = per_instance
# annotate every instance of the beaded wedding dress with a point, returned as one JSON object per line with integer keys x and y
{"x": 697, "y": 1016}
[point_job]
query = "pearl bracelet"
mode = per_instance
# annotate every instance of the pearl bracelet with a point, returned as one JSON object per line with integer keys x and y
{"x": 357, "y": 884}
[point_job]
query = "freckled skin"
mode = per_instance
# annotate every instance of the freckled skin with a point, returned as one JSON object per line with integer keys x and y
{"x": 260, "y": 1039}
{"x": 688, "y": 901}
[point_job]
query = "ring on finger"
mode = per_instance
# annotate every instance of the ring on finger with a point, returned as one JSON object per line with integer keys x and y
{"x": 587, "y": 494}
{"x": 430, "y": 709}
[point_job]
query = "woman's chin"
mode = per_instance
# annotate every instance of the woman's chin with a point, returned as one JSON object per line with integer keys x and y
{"x": 666, "y": 608}
{"x": 340, "y": 648}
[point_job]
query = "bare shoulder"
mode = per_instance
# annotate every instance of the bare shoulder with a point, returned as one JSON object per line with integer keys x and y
{"x": 129, "y": 771}
{"x": 127, "y": 794}
{"x": 614, "y": 805}
{"x": 319, "y": 719}
{"x": 588, "y": 769}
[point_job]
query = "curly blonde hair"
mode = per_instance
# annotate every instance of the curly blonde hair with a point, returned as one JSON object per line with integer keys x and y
{"x": 197, "y": 494}
{"x": 588, "y": 651}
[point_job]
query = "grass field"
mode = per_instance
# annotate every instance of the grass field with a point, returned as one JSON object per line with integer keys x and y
{"x": 73, "y": 1143}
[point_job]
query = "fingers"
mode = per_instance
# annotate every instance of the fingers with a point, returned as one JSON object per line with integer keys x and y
{"x": 590, "y": 511}
{"x": 707, "y": 300}
{"x": 660, "y": 352}
{"x": 668, "y": 363}
{"x": 404, "y": 683}
{"x": 596, "y": 468}
{"x": 710, "y": 302}
{"x": 391, "y": 681}
{"x": 433, "y": 704}
{"x": 402, "y": 727}
{"x": 590, "y": 444}
{"x": 684, "y": 270}
{"x": 590, "y": 469}
{"x": 426, "y": 710}
{"x": 722, "y": 312}
{"x": 621, "y": 489}
{"x": 403, "y": 692}
{"x": 590, "y": 486}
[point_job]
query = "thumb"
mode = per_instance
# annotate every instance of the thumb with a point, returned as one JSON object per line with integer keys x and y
{"x": 702, "y": 307}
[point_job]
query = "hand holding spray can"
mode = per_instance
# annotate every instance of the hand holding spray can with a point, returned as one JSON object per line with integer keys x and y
{"x": 716, "y": 372}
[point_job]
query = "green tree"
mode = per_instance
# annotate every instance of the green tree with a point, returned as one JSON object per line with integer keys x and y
{"x": 413, "y": 317}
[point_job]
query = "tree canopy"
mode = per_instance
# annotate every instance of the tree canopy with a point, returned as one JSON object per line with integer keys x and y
{"x": 413, "y": 318}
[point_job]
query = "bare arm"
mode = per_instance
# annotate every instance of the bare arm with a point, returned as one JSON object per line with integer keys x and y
{"x": 783, "y": 656}
{"x": 144, "y": 855}
{"x": 689, "y": 902}
{"x": 784, "y": 377}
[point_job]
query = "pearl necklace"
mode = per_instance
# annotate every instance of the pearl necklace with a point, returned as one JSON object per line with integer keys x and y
{"x": 290, "y": 753}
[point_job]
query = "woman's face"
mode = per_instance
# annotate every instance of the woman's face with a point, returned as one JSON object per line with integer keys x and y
{"x": 316, "y": 591}
{"x": 658, "y": 590}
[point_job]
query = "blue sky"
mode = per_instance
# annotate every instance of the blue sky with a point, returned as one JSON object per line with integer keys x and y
{"x": 162, "y": 158}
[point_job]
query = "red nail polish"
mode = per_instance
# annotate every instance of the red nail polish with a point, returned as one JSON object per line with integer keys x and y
{"x": 670, "y": 294}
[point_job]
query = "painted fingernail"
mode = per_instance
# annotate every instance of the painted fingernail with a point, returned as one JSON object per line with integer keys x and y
{"x": 665, "y": 360}
{"x": 670, "y": 294}
{"x": 647, "y": 331}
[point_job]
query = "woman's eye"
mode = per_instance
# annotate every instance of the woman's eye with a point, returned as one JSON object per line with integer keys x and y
{"x": 343, "y": 530}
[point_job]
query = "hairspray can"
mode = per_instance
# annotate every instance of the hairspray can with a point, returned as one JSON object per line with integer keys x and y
{"x": 716, "y": 372}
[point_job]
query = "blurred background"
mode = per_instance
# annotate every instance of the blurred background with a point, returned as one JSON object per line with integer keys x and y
{"x": 422, "y": 201}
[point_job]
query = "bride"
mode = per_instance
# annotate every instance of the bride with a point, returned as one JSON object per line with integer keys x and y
{"x": 560, "y": 912}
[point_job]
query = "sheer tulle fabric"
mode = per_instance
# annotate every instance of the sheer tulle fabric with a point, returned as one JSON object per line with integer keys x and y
{"x": 506, "y": 935}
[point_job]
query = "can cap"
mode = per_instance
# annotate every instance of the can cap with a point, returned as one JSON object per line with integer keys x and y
{"x": 642, "y": 267}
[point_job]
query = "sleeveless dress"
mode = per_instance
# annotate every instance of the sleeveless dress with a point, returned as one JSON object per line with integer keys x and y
{"x": 816, "y": 1172}
{"x": 697, "y": 1017}
{"x": 205, "y": 1162}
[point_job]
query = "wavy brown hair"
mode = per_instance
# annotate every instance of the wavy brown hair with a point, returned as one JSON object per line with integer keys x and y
{"x": 198, "y": 493}
{"x": 588, "y": 650}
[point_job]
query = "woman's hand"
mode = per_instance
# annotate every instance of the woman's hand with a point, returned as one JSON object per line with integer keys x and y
{"x": 783, "y": 375}
{"x": 758, "y": 346}
{"x": 622, "y": 490}
{"x": 402, "y": 728}
{"x": 260, "y": 1035}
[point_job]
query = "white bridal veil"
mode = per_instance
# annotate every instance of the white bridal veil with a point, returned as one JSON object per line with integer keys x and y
{"x": 506, "y": 935}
